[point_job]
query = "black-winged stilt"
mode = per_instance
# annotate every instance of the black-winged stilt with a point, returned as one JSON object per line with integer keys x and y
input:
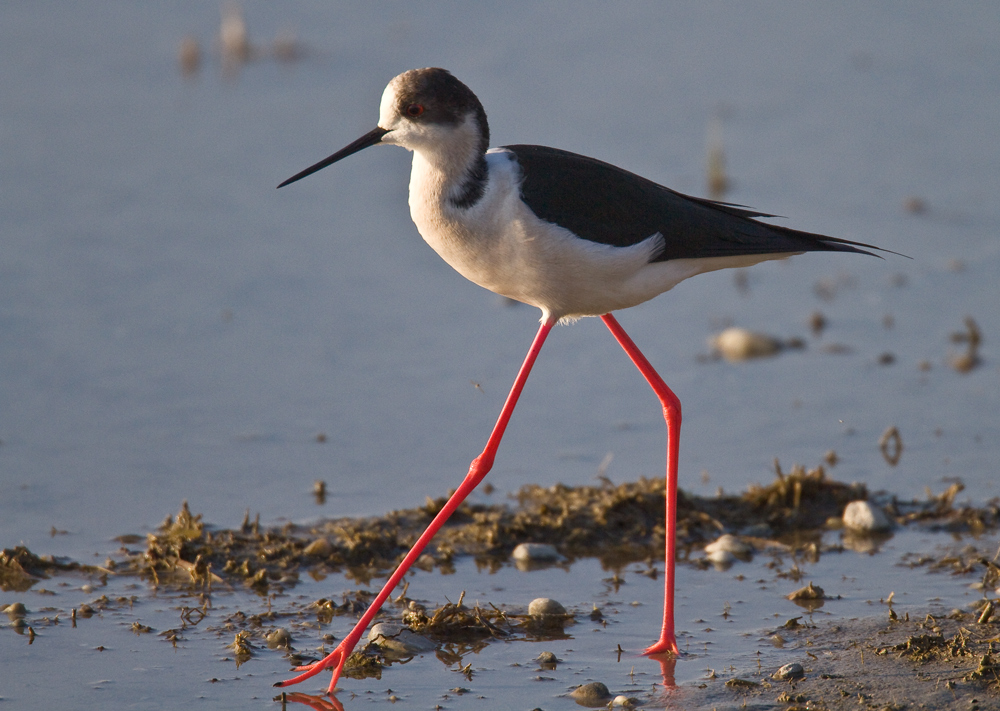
{"x": 568, "y": 234}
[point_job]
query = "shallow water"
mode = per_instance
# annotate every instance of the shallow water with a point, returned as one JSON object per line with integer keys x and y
{"x": 174, "y": 328}
{"x": 725, "y": 620}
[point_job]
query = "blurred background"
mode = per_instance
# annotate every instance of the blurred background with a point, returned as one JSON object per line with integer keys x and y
{"x": 173, "y": 328}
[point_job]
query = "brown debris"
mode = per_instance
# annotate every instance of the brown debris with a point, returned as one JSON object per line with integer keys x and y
{"x": 972, "y": 337}
{"x": 618, "y": 524}
{"x": 939, "y": 513}
{"x": 891, "y": 446}
{"x": 20, "y": 568}
{"x": 801, "y": 500}
{"x": 242, "y": 649}
{"x": 915, "y": 204}
{"x": 809, "y": 592}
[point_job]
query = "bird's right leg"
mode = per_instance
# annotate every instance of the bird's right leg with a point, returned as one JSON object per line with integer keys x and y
{"x": 479, "y": 468}
{"x": 667, "y": 644}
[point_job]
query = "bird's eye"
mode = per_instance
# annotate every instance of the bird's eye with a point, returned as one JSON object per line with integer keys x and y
{"x": 414, "y": 110}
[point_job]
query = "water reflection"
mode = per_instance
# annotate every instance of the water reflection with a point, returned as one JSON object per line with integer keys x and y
{"x": 869, "y": 543}
{"x": 328, "y": 702}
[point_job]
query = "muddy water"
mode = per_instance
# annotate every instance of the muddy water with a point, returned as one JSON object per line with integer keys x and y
{"x": 139, "y": 643}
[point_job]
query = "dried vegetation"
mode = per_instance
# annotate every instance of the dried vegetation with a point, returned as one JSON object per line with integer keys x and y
{"x": 618, "y": 524}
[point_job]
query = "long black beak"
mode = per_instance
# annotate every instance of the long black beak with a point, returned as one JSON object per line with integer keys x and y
{"x": 369, "y": 139}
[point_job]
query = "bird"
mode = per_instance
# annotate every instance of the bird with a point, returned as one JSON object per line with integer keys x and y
{"x": 571, "y": 235}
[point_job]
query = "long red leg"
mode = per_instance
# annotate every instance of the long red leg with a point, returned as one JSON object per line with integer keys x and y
{"x": 672, "y": 414}
{"x": 479, "y": 468}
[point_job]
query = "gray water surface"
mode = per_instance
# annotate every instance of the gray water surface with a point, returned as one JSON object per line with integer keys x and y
{"x": 173, "y": 328}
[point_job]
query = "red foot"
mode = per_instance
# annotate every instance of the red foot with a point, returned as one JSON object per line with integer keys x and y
{"x": 334, "y": 660}
{"x": 664, "y": 646}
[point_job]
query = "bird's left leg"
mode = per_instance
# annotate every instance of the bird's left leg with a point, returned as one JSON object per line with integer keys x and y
{"x": 672, "y": 414}
{"x": 477, "y": 470}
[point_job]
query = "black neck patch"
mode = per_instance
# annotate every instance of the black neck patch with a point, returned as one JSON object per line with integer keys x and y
{"x": 474, "y": 185}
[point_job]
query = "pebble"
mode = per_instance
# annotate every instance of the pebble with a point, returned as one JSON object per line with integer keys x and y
{"x": 535, "y": 553}
{"x": 384, "y": 629}
{"x": 279, "y": 638}
{"x": 395, "y": 638}
{"x": 863, "y": 517}
{"x": 789, "y": 672}
{"x": 320, "y": 548}
{"x": 622, "y": 701}
{"x": 547, "y": 658}
{"x": 544, "y": 607}
{"x": 593, "y": 694}
{"x": 736, "y": 344}
{"x": 16, "y": 610}
{"x": 426, "y": 562}
{"x": 233, "y": 34}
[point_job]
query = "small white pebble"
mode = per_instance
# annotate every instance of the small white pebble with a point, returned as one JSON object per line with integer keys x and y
{"x": 398, "y": 639}
{"x": 863, "y": 517}
{"x": 535, "y": 552}
{"x": 622, "y": 701}
{"x": 384, "y": 629}
{"x": 735, "y": 344}
{"x": 545, "y": 606}
{"x": 789, "y": 672}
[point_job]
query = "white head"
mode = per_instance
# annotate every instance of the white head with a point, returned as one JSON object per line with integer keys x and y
{"x": 425, "y": 108}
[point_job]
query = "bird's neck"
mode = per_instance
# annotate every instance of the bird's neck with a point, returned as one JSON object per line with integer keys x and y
{"x": 451, "y": 174}
{"x": 448, "y": 185}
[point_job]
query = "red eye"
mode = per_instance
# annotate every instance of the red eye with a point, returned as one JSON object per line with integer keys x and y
{"x": 414, "y": 110}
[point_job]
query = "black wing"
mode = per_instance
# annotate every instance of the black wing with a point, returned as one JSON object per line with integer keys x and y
{"x": 605, "y": 204}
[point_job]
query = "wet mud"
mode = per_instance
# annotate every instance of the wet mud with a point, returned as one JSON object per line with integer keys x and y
{"x": 892, "y": 662}
{"x": 889, "y": 664}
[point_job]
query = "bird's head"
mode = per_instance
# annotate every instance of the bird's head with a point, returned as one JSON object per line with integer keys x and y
{"x": 424, "y": 110}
